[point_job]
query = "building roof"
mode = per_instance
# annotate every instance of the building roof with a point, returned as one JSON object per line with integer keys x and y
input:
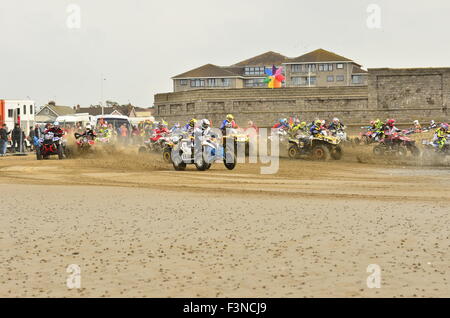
{"x": 265, "y": 59}
{"x": 59, "y": 110}
{"x": 319, "y": 55}
{"x": 358, "y": 70}
{"x": 207, "y": 70}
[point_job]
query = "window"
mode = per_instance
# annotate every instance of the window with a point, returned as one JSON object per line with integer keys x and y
{"x": 211, "y": 82}
{"x": 10, "y": 113}
{"x": 218, "y": 82}
{"x": 330, "y": 78}
{"x": 297, "y": 68}
{"x": 255, "y": 82}
{"x": 340, "y": 66}
{"x": 320, "y": 67}
{"x": 197, "y": 83}
{"x": 304, "y": 80}
{"x": 330, "y": 67}
{"x": 183, "y": 82}
{"x": 300, "y": 81}
{"x": 340, "y": 78}
{"x": 259, "y": 70}
{"x": 24, "y": 109}
{"x": 357, "y": 79}
{"x": 31, "y": 109}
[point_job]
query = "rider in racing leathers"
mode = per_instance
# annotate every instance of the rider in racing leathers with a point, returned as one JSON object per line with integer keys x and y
{"x": 88, "y": 133}
{"x": 228, "y": 123}
{"x": 317, "y": 128}
{"x": 440, "y": 136}
{"x": 336, "y": 125}
{"x": 160, "y": 131}
{"x": 190, "y": 126}
{"x": 55, "y": 129}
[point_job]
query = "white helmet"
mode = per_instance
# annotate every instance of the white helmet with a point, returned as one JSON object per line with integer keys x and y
{"x": 205, "y": 123}
{"x": 56, "y": 123}
{"x": 88, "y": 126}
{"x": 416, "y": 122}
{"x": 335, "y": 120}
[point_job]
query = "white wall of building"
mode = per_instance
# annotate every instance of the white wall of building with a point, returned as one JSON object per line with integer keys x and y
{"x": 24, "y": 108}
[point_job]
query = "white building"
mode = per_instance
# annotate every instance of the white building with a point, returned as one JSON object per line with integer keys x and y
{"x": 14, "y": 111}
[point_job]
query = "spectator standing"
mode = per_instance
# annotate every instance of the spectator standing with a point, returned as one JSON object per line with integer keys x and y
{"x": 124, "y": 133}
{"x": 17, "y": 138}
{"x": 3, "y": 139}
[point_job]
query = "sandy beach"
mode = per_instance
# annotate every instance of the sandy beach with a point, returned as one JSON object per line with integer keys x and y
{"x": 136, "y": 228}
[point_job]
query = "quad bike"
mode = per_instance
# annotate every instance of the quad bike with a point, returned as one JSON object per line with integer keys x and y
{"x": 432, "y": 151}
{"x": 170, "y": 143}
{"x": 49, "y": 145}
{"x": 152, "y": 145}
{"x": 397, "y": 145}
{"x": 317, "y": 147}
{"x": 185, "y": 152}
{"x": 341, "y": 135}
{"x": 365, "y": 138}
{"x": 238, "y": 140}
{"x": 411, "y": 131}
{"x": 84, "y": 144}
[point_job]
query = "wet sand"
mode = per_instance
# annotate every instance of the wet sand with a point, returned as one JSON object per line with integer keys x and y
{"x": 137, "y": 228}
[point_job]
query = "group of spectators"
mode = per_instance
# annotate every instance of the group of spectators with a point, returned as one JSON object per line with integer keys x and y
{"x": 16, "y": 136}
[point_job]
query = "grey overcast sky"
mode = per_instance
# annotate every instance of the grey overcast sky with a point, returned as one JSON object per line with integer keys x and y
{"x": 139, "y": 44}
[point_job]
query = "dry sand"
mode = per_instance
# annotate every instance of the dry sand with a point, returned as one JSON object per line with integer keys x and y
{"x": 137, "y": 228}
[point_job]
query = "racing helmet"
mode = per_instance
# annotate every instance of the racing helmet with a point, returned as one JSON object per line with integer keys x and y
{"x": 391, "y": 122}
{"x": 416, "y": 122}
{"x": 56, "y": 123}
{"x": 303, "y": 124}
{"x": 318, "y": 122}
{"x": 444, "y": 126}
{"x": 205, "y": 123}
{"x": 230, "y": 117}
{"x": 283, "y": 121}
{"x": 336, "y": 120}
{"x": 192, "y": 122}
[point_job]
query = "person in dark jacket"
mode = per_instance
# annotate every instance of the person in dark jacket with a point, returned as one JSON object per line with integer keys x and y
{"x": 17, "y": 137}
{"x": 3, "y": 139}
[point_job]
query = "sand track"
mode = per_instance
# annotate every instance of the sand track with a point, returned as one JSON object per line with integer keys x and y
{"x": 138, "y": 228}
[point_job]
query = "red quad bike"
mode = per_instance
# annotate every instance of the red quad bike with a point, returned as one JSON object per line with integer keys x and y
{"x": 365, "y": 138}
{"x": 84, "y": 143}
{"x": 49, "y": 145}
{"x": 155, "y": 144}
{"x": 396, "y": 144}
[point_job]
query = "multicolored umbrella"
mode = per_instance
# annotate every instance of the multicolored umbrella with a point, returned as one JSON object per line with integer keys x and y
{"x": 274, "y": 78}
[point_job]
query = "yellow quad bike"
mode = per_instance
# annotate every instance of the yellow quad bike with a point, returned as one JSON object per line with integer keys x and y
{"x": 239, "y": 140}
{"x": 319, "y": 147}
